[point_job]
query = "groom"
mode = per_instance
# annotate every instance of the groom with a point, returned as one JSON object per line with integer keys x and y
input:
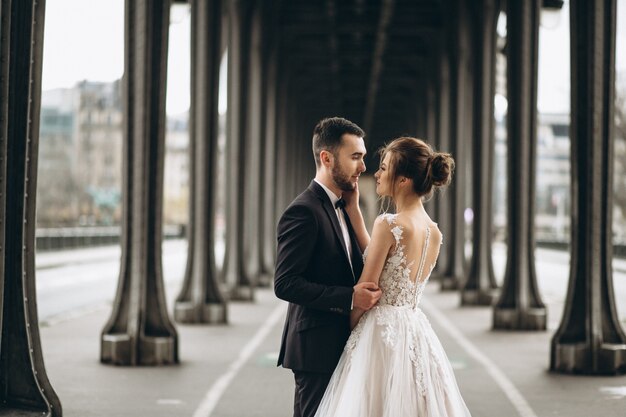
{"x": 318, "y": 263}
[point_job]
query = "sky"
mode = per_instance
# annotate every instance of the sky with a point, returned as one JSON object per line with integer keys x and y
{"x": 85, "y": 40}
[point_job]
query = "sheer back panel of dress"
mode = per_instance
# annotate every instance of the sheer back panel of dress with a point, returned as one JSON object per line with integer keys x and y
{"x": 419, "y": 241}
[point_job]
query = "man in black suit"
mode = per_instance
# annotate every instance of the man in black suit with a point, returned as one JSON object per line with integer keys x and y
{"x": 318, "y": 263}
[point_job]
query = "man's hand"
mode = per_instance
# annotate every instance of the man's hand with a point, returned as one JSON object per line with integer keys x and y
{"x": 366, "y": 295}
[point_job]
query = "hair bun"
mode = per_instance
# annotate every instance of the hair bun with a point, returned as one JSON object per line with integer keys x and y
{"x": 442, "y": 167}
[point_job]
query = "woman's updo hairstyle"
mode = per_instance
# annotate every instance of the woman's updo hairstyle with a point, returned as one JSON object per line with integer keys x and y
{"x": 415, "y": 159}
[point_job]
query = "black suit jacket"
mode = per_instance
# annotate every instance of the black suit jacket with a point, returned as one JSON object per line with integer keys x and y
{"x": 313, "y": 273}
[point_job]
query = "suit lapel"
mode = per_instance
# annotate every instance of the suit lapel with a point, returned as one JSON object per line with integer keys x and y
{"x": 332, "y": 216}
{"x": 357, "y": 256}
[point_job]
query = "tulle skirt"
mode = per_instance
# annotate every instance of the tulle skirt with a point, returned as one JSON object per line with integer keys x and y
{"x": 393, "y": 366}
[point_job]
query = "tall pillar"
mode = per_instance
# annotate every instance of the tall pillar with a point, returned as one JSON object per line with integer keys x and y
{"x": 455, "y": 196}
{"x": 237, "y": 282}
{"x": 431, "y": 111}
{"x": 430, "y": 126}
{"x": 269, "y": 190}
{"x": 24, "y": 386}
{"x": 590, "y": 339}
{"x": 282, "y": 148}
{"x": 480, "y": 286}
{"x": 442, "y": 204}
{"x": 200, "y": 299}
{"x": 519, "y": 306}
{"x": 252, "y": 168}
{"x": 139, "y": 331}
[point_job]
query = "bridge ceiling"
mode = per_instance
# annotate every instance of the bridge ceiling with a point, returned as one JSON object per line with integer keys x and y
{"x": 367, "y": 60}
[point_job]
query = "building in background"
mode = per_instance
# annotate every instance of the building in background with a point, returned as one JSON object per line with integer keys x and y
{"x": 81, "y": 155}
{"x": 99, "y": 152}
{"x": 176, "y": 176}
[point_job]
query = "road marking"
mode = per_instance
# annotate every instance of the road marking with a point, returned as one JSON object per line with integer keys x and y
{"x": 616, "y": 393}
{"x": 514, "y": 395}
{"x": 76, "y": 313}
{"x": 213, "y": 395}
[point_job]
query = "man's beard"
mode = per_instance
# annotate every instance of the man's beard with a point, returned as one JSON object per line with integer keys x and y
{"x": 341, "y": 179}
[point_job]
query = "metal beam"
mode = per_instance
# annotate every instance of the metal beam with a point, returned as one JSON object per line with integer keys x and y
{"x": 377, "y": 61}
{"x": 333, "y": 48}
{"x": 200, "y": 299}
{"x": 590, "y": 338}
{"x": 139, "y": 330}
{"x": 24, "y": 386}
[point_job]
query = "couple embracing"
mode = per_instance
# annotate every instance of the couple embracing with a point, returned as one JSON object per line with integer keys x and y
{"x": 355, "y": 338}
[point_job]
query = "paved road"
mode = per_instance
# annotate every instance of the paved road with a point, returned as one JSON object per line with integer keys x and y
{"x": 228, "y": 371}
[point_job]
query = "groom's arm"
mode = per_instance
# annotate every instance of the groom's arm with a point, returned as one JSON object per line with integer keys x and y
{"x": 297, "y": 233}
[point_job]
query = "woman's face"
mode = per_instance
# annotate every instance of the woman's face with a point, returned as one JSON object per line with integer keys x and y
{"x": 384, "y": 187}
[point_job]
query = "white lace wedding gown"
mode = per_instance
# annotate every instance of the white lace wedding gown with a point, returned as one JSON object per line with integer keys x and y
{"x": 393, "y": 364}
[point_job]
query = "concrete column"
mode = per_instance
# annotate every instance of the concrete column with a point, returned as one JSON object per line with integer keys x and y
{"x": 200, "y": 299}
{"x": 480, "y": 286}
{"x": 455, "y": 195}
{"x": 590, "y": 339}
{"x": 519, "y": 306}
{"x": 24, "y": 386}
{"x": 237, "y": 282}
{"x": 139, "y": 331}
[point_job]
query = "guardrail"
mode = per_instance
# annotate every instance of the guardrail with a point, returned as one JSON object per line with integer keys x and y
{"x": 78, "y": 237}
{"x": 619, "y": 249}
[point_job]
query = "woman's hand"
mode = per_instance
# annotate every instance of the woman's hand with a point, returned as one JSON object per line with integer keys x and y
{"x": 352, "y": 200}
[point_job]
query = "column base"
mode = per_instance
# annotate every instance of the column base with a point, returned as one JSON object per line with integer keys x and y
{"x": 449, "y": 283}
{"x": 116, "y": 350}
{"x": 577, "y": 358}
{"x": 265, "y": 280}
{"x": 9, "y": 411}
{"x": 211, "y": 313}
{"x": 242, "y": 293}
{"x": 515, "y": 319}
{"x": 479, "y": 297}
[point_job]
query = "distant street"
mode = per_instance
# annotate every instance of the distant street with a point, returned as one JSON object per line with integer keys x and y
{"x": 76, "y": 282}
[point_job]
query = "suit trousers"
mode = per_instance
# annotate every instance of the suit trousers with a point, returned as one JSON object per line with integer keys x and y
{"x": 310, "y": 387}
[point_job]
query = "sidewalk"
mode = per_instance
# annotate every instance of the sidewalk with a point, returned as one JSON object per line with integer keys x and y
{"x": 228, "y": 371}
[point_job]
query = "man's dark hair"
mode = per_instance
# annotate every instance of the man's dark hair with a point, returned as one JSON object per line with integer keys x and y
{"x": 327, "y": 135}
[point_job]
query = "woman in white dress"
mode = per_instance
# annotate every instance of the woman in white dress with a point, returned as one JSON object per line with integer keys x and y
{"x": 393, "y": 364}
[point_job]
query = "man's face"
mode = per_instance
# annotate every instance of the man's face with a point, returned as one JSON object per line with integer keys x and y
{"x": 349, "y": 162}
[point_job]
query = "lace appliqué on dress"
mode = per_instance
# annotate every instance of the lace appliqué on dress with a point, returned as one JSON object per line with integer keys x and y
{"x": 398, "y": 291}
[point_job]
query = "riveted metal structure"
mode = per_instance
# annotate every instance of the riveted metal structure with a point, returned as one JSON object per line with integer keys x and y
{"x": 480, "y": 287}
{"x": 24, "y": 386}
{"x": 200, "y": 299}
{"x": 519, "y": 306}
{"x": 139, "y": 331}
{"x": 590, "y": 339}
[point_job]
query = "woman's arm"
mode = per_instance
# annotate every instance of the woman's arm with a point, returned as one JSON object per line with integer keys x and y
{"x": 356, "y": 217}
{"x": 379, "y": 246}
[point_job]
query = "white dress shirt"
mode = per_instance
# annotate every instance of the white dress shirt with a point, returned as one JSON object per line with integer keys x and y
{"x": 341, "y": 218}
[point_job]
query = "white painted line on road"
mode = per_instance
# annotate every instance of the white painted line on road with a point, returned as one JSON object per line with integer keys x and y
{"x": 514, "y": 395}
{"x": 73, "y": 314}
{"x": 212, "y": 397}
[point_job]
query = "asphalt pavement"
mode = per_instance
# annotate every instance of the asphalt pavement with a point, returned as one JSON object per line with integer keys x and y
{"x": 229, "y": 370}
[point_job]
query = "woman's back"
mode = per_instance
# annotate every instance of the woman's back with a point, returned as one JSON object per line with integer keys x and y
{"x": 410, "y": 260}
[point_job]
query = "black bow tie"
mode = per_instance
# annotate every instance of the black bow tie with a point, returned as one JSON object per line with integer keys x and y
{"x": 341, "y": 203}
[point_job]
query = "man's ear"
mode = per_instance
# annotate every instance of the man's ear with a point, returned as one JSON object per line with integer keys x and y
{"x": 326, "y": 158}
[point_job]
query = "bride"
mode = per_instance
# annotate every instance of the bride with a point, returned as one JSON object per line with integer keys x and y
{"x": 393, "y": 364}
